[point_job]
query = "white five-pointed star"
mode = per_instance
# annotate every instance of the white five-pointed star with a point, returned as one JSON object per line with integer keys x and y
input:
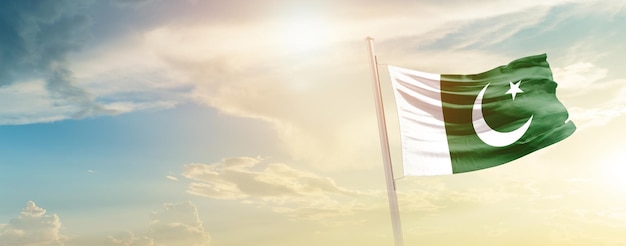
{"x": 514, "y": 89}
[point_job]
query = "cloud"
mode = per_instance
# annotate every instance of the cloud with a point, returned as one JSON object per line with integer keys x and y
{"x": 129, "y": 239}
{"x": 177, "y": 224}
{"x": 592, "y": 98}
{"x": 238, "y": 178}
{"x": 301, "y": 195}
{"x": 298, "y": 194}
{"x": 486, "y": 31}
{"x": 305, "y": 196}
{"x": 593, "y": 117}
{"x": 578, "y": 77}
{"x": 32, "y": 227}
{"x": 311, "y": 112}
{"x": 37, "y": 37}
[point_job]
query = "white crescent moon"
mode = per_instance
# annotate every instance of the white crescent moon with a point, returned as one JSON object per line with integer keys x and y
{"x": 491, "y": 136}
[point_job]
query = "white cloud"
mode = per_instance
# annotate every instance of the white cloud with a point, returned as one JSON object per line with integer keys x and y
{"x": 300, "y": 96}
{"x": 43, "y": 107}
{"x": 285, "y": 190}
{"x": 177, "y": 224}
{"x": 597, "y": 104}
{"x": 578, "y": 77}
{"x": 590, "y": 117}
{"x": 590, "y": 97}
{"x": 129, "y": 239}
{"x": 307, "y": 196}
{"x": 244, "y": 178}
{"x": 33, "y": 228}
{"x": 40, "y": 107}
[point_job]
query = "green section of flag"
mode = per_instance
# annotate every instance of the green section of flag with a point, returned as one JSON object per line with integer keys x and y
{"x": 549, "y": 125}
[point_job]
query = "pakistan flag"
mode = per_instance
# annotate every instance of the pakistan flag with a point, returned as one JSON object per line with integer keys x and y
{"x": 460, "y": 123}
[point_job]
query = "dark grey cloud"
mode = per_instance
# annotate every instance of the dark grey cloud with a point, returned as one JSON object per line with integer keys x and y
{"x": 36, "y": 37}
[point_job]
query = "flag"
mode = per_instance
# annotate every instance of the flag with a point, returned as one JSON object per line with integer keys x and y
{"x": 460, "y": 123}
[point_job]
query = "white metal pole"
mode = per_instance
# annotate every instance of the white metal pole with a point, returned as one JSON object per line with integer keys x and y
{"x": 384, "y": 145}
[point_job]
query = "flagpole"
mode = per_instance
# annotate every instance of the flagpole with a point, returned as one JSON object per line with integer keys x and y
{"x": 384, "y": 145}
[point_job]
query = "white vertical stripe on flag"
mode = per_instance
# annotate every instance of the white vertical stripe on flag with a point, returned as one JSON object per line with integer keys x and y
{"x": 425, "y": 148}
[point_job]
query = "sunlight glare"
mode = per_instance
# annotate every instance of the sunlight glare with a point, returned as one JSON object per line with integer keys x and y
{"x": 615, "y": 172}
{"x": 304, "y": 33}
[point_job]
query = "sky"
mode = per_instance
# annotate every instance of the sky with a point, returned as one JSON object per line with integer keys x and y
{"x": 156, "y": 122}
